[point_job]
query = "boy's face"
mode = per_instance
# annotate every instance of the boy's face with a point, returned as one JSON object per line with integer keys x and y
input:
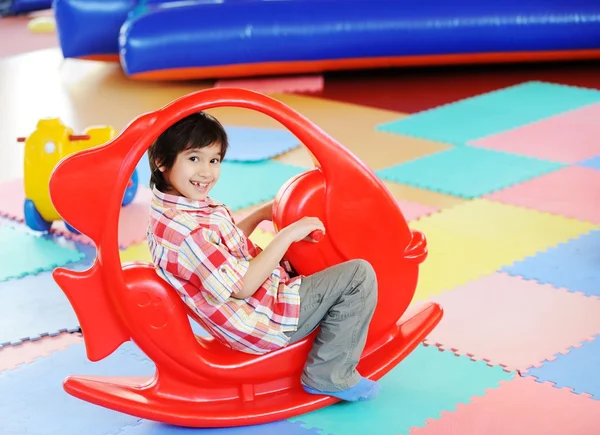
{"x": 195, "y": 172}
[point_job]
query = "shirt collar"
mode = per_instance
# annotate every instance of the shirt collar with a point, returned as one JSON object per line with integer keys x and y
{"x": 167, "y": 200}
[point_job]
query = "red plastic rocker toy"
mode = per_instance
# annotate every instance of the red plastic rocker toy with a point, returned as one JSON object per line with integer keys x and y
{"x": 198, "y": 381}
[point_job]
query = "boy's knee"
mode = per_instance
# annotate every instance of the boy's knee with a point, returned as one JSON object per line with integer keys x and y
{"x": 365, "y": 270}
{"x": 368, "y": 278}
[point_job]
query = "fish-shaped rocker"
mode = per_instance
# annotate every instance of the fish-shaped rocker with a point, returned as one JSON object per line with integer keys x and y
{"x": 198, "y": 381}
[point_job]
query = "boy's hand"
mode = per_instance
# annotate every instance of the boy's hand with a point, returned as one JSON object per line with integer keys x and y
{"x": 301, "y": 229}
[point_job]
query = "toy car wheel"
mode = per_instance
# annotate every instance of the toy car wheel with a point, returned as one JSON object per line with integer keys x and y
{"x": 33, "y": 218}
{"x": 131, "y": 189}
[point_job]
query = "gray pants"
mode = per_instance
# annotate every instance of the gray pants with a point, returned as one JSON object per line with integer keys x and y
{"x": 340, "y": 300}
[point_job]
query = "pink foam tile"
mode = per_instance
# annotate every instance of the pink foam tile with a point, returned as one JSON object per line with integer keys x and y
{"x": 307, "y": 83}
{"x": 519, "y": 407}
{"x": 133, "y": 219}
{"x": 266, "y": 226}
{"x": 28, "y": 351}
{"x": 414, "y": 210}
{"x": 572, "y": 192}
{"x": 513, "y": 322}
{"x": 12, "y": 195}
{"x": 568, "y": 137}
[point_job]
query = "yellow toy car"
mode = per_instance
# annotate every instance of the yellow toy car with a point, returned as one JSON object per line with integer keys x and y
{"x": 44, "y": 148}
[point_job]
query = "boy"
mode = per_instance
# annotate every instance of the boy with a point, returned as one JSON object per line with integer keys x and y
{"x": 249, "y": 298}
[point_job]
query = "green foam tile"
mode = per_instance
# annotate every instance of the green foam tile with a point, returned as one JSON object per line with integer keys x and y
{"x": 242, "y": 185}
{"x": 426, "y": 383}
{"x": 23, "y": 253}
{"x": 467, "y": 172}
{"x": 491, "y": 113}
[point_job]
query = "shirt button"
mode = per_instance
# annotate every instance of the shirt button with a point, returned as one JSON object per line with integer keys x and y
{"x": 223, "y": 270}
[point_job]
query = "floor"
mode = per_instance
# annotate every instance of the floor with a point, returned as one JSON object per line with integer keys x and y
{"x": 503, "y": 185}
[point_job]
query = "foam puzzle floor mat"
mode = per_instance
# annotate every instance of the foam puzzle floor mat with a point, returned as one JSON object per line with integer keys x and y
{"x": 426, "y": 383}
{"x": 49, "y": 410}
{"x": 571, "y": 192}
{"x": 568, "y": 137}
{"x": 12, "y": 357}
{"x": 518, "y": 279}
{"x": 478, "y": 237}
{"x": 593, "y": 163}
{"x": 484, "y": 115}
{"x": 521, "y": 316}
{"x": 133, "y": 218}
{"x": 33, "y": 307}
{"x": 573, "y": 265}
{"x": 24, "y": 253}
{"x": 467, "y": 172}
{"x": 519, "y": 407}
{"x": 576, "y": 369}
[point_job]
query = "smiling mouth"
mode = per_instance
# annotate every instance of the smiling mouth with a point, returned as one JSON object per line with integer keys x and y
{"x": 199, "y": 185}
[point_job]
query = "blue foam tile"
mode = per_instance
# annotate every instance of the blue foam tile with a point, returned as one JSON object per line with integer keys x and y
{"x": 276, "y": 428}
{"x": 467, "y": 172}
{"x": 24, "y": 253}
{"x": 246, "y": 144}
{"x": 32, "y": 307}
{"x": 426, "y": 383}
{"x": 573, "y": 265}
{"x": 577, "y": 370}
{"x": 593, "y": 163}
{"x": 33, "y": 402}
{"x": 491, "y": 113}
{"x": 250, "y": 144}
{"x": 242, "y": 185}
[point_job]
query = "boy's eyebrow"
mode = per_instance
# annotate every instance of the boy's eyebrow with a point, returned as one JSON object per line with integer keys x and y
{"x": 199, "y": 150}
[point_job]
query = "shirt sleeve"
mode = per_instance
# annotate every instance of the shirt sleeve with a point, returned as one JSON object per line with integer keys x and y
{"x": 221, "y": 273}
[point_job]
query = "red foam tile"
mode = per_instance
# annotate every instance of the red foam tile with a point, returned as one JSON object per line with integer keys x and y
{"x": 13, "y": 356}
{"x": 519, "y": 407}
{"x": 514, "y": 322}
{"x": 307, "y": 83}
{"x": 572, "y": 192}
{"x": 132, "y": 220}
{"x": 568, "y": 137}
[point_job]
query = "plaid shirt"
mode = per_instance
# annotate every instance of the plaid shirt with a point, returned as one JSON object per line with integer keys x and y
{"x": 197, "y": 248}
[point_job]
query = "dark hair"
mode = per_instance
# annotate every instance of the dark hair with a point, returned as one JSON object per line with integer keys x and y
{"x": 197, "y": 130}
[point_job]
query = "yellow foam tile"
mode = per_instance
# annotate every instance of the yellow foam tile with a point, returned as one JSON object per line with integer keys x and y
{"x": 137, "y": 252}
{"x": 480, "y": 236}
{"x": 261, "y": 238}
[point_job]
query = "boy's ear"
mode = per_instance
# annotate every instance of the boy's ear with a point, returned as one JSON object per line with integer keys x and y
{"x": 160, "y": 167}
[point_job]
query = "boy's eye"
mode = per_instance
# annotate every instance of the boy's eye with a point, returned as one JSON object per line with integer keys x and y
{"x": 194, "y": 159}
{"x": 215, "y": 161}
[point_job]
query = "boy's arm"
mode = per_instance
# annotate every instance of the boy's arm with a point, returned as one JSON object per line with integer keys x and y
{"x": 261, "y": 266}
{"x": 264, "y": 264}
